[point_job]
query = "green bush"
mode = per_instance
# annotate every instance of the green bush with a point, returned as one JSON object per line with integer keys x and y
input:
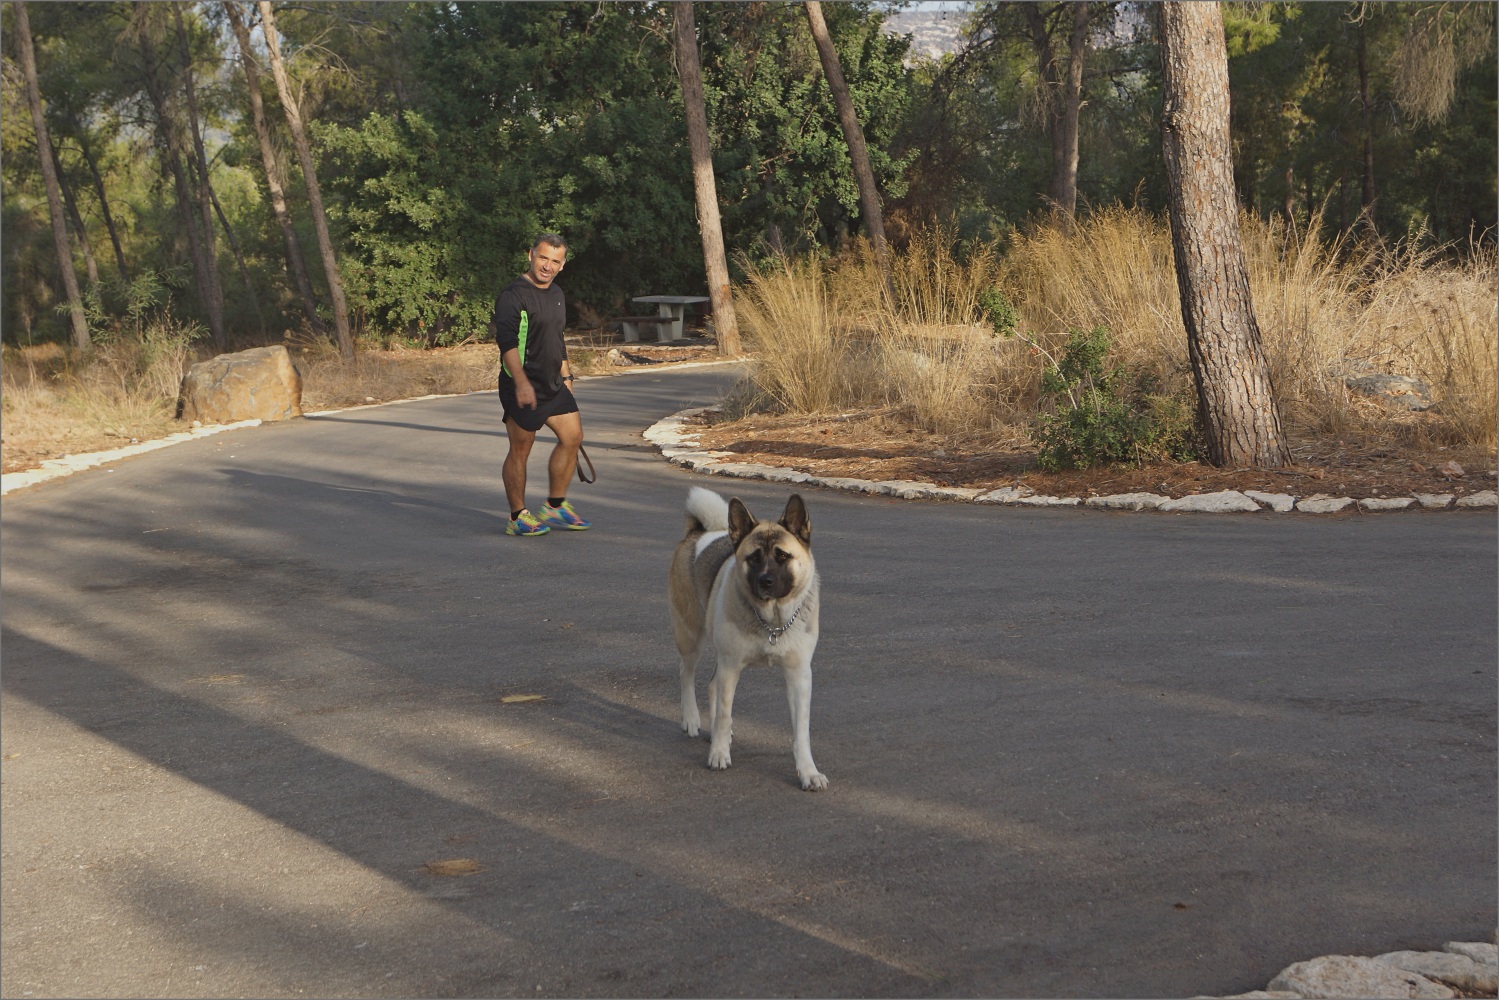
{"x": 1103, "y": 414}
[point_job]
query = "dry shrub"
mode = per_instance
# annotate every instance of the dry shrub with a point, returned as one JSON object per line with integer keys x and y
{"x": 329, "y": 382}
{"x": 813, "y": 341}
{"x": 1326, "y": 309}
{"x": 830, "y": 337}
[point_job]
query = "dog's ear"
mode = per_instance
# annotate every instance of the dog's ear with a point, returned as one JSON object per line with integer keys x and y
{"x": 741, "y": 523}
{"x": 795, "y": 519}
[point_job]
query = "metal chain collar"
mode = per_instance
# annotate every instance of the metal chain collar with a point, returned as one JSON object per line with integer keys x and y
{"x": 774, "y": 632}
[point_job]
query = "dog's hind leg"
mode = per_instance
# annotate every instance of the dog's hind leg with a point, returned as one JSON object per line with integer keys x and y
{"x": 691, "y": 721}
{"x": 721, "y": 713}
{"x": 799, "y": 694}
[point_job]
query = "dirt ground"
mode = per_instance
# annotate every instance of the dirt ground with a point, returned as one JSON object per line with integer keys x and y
{"x": 867, "y": 447}
{"x": 874, "y": 447}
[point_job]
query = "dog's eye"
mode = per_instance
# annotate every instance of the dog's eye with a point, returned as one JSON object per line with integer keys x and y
{"x": 755, "y": 557}
{"x": 782, "y": 556}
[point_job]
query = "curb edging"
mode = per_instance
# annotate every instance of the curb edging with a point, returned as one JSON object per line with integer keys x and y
{"x": 680, "y": 447}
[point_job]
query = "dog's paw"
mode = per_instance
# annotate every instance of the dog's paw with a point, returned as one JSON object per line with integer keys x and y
{"x": 719, "y": 760}
{"x": 814, "y": 782}
{"x": 691, "y": 725}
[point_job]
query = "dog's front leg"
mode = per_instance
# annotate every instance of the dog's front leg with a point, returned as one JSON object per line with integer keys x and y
{"x": 799, "y": 694}
{"x": 721, "y": 712}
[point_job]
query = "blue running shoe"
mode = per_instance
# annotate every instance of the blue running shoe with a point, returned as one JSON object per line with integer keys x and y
{"x": 527, "y": 524}
{"x": 563, "y": 516}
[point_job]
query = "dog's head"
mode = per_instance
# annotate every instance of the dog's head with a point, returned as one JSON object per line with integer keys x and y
{"x": 775, "y": 557}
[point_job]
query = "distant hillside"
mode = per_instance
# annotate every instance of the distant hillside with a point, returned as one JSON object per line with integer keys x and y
{"x": 934, "y": 33}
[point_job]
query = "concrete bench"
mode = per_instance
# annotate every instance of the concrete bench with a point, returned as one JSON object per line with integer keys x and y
{"x": 631, "y": 326}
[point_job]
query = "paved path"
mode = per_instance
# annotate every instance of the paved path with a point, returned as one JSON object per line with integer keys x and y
{"x": 253, "y": 685}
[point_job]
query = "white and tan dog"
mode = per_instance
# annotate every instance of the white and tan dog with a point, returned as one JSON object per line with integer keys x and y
{"x": 749, "y": 588}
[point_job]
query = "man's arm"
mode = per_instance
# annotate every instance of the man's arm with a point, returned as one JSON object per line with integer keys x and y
{"x": 525, "y": 393}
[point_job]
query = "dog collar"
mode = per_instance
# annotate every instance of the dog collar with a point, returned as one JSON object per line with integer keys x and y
{"x": 771, "y": 630}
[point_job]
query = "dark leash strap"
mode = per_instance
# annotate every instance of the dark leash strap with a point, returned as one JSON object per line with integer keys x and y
{"x": 585, "y": 460}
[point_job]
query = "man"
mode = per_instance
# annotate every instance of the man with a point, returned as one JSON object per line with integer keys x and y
{"x": 535, "y": 388}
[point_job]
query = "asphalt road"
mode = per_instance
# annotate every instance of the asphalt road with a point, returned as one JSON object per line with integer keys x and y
{"x": 253, "y": 686}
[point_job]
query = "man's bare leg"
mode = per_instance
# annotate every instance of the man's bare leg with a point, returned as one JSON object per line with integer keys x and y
{"x": 521, "y": 441}
{"x": 564, "y": 461}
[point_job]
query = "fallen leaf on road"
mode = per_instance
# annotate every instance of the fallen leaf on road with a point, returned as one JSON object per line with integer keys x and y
{"x": 513, "y": 699}
{"x": 218, "y": 679}
{"x": 453, "y": 867}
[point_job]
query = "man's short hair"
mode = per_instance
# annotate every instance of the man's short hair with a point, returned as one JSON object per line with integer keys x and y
{"x": 551, "y": 240}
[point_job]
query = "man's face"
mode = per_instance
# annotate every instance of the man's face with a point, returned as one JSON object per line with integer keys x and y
{"x": 546, "y": 262}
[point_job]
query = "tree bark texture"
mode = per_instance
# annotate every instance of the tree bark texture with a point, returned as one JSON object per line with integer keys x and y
{"x": 309, "y": 174}
{"x": 294, "y": 261}
{"x": 725, "y": 324}
{"x": 1236, "y": 401}
{"x": 1367, "y": 111}
{"x": 853, "y": 134}
{"x": 49, "y": 178}
{"x": 90, "y": 265}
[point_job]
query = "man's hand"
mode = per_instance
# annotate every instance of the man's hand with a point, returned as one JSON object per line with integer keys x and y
{"x": 525, "y": 393}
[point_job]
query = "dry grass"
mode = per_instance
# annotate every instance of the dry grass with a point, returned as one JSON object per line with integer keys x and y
{"x": 330, "y": 382}
{"x": 1325, "y": 310}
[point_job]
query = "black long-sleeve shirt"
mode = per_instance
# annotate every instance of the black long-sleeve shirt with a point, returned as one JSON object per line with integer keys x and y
{"x": 539, "y": 315}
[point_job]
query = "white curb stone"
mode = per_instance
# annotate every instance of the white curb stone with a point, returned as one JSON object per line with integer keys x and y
{"x": 1323, "y": 504}
{"x": 1488, "y": 498}
{"x": 1434, "y": 501}
{"x": 1347, "y": 976}
{"x": 1385, "y": 503}
{"x": 1457, "y": 971}
{"x": 778, "y": 475}
{"x": 1045, "y": 501}
{"x": 1278, "y": 502}
{"x": 1005, "y": 494}
{"x": 52, "y": 468}
{"x": 1127, "y": 501}
{"x": 839, "y": 483}
{"x": 1225, "y": 502}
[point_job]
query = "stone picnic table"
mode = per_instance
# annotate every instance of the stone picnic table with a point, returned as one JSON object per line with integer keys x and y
{"x": 671, "y": 311}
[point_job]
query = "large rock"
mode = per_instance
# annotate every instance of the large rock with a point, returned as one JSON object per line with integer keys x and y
{"x": 1458, "y": 971}
{"x": 1338, "y": 976}
{"x": 258, "y": 384}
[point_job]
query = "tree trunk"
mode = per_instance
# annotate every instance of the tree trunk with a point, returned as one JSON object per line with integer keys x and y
{"x": 309, "y": 173}
{"x": 239, "y": 259}
{"x": 1065, "y": 126}
{"x": 49, "y": 178}
{"x": 1062, "y": 102}
{"x": 294, "y": 262}
{"x": 725, "y": 324}
{"x": 853, "y": 134}
{"x": 79, "y": 230}
{"x": 1367, "y": 202}
{"x": 171, "y": 140}
{"x": 204, "y": 192}
{"x": 1236, "y": 402}
{"x": 109, "y": 220}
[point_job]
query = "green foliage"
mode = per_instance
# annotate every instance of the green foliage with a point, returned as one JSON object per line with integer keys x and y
{"x": 1103, "y": 415}
{"x": 1001, "y": 313}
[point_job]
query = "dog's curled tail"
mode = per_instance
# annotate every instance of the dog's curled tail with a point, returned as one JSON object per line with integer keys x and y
{"x": 706, "y": 511}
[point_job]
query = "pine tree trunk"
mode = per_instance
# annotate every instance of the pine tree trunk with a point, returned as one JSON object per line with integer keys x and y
{"x": 725, "y": 324}
{"x": 1367, "y": 201}
{"x": 239, "y": 260}
{"x": 309, "y": 174}
{"x": 853, "y": 135}
{"x": 108, "y": 216}
{"x": 1235, "y": 399}
{"x": 91, "y": 266}
{"x": 1065, "y": 125}
{"x": 49, "y": 177}
{"x": 170, "y": 138}
{"x": 294, "y": 262}
{"x": 203, "y": 192}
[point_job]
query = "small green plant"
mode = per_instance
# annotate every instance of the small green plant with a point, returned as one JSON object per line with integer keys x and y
{"x": 999, "y": 311}
{"x": 1103, "y": 414}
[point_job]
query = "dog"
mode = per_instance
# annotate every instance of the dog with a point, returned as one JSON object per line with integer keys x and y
{"x": 750, "y": 589}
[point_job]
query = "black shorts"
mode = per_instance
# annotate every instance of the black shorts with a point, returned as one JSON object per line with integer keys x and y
{"x": 535, "y": 418}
